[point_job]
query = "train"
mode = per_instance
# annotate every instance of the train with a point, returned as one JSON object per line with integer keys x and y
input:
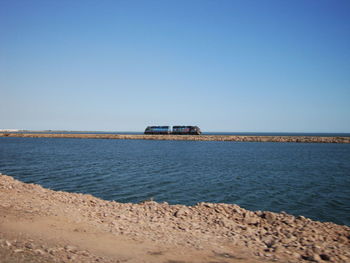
{"x": 180, "y": 130}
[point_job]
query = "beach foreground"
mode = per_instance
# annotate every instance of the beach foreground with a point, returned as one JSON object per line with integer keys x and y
{"x": 41, "y": 225}
{"x": 232, "y": 138}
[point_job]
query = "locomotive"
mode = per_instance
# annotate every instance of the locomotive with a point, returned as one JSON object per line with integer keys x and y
{"x": 181, "y": 130}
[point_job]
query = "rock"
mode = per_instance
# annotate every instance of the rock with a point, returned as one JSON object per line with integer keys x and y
{"x": 250, "y": 219}
{"x": 344, "y": 258}
{"x": 343, "y": 239}
{"x": 181, "y": 212}
{"x": 39, "y": 252}
{"x": 288, "y": 221}
{"x": 302, "y": 218}
{"x": 269, "y": 216}
{"x": 325, "y": 257}
{"x": 277, "y": 248}
{"x": 52, "y": 251}
{"x": 210, "y": 205}
{"x": 29, "y": 245}
{"x": 311, "y": 257}
{"x": 71, "y": 248}
{"x": 316, "y": 249}
{"x": 18, "y": 250}
{"x": 296, "y": 255}
{"x": 269, "y": 241}
{"x": 259, "y": 213}
{"x": 83, "y": 253}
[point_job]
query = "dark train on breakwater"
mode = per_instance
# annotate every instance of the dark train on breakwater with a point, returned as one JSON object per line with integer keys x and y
{"x": 181, "y": 130}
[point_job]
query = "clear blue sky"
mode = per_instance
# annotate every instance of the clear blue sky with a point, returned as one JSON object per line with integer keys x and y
{"x": 253, "y": 66}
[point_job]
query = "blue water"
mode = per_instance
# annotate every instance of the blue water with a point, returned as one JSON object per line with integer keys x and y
{"x": 302, "y": 179}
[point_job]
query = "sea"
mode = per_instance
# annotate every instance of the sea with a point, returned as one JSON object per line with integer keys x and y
{"x": 309, "y": 179}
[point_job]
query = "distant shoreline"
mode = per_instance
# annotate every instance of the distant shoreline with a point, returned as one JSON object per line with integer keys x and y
{"x": 233, "y": 138}
{"x": 232, "y": 133}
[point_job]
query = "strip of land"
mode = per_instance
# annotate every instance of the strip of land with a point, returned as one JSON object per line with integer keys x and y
{"x": 41, "y": 225}
{"x": 232, "y": 138}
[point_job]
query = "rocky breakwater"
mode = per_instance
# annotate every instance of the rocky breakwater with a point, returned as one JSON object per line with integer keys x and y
{"x": 216, "y": 232}
{"x": 233, "y": 138}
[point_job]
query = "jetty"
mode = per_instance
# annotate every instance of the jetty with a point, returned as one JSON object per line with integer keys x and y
{"x": 231, "y": 138}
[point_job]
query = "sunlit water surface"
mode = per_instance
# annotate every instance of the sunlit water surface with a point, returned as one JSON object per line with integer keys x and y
{"x": 307, "y": 179}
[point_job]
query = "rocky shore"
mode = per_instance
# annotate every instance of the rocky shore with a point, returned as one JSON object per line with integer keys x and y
{"x": 233, "y": 138}
{"x": 42, "y": 225}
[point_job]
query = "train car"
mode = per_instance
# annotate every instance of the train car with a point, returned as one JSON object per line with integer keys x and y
{"x": 187, "y": 130}
{"x": 158, "y": 130}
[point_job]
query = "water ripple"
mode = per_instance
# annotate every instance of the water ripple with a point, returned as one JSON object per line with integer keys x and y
{"x": 308, "y": 179}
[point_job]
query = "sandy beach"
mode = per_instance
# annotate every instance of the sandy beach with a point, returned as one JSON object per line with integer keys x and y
{"x": 41, "y": 225}
{"x": 232, "y": 138}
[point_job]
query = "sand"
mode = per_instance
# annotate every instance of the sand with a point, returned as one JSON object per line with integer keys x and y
{"x": 41, "y": 225}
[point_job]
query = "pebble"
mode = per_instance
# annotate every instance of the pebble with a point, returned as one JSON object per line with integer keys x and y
{"x": 52, "y": 251}
{"x": 7, "y": 243}
{"x": 84, "y": 253}
{"x": 270, "y": 217}
{"x": 181, "y": 212}
{"x": 39, "y": 252}
{"x": 296, "y": 255}
{"x": 325, "y": 257}
{"x": 29, "y": 245}
{"x": 71, "y": 248}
